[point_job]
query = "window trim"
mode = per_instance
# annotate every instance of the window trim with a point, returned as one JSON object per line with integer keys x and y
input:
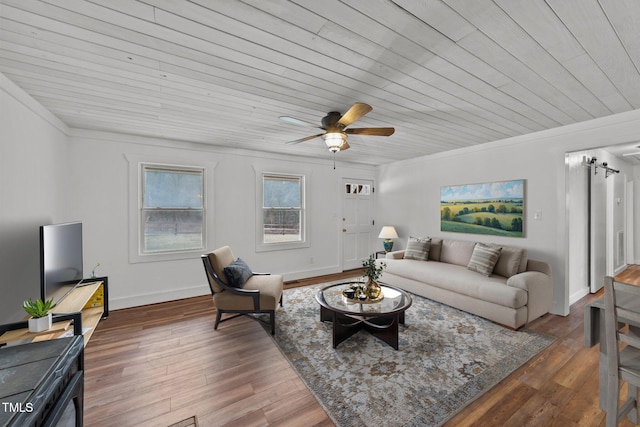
{"x": 261, "y": 245}
{"x": 136, "y": 163}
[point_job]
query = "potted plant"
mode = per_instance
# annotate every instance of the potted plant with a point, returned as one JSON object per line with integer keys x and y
{"x": 39, "y": 311}
{"x": 93, "y": 272}
{"x": 372, "y": 271}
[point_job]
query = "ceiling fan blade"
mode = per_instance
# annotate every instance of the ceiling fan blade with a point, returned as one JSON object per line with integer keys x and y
{"x": 295, "y": 121}
{"x": 356, "y": 111}
{"x": 297, "y": 141}
{"x": 344, "y": 146}
{"x": 371, "y": 131}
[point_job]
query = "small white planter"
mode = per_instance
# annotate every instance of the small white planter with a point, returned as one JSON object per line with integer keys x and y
{"x": 40, "y": 324}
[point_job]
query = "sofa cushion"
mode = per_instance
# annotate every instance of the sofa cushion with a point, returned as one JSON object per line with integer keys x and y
{"x": 418, "y": 248}
{"x": 238, "y": 273}
{"x": 457, "y": 279}
{"x": 270, "y": 287}
{"x": 510, "y": 261}
{"x": 456, "y": 252}
{"x": 484, "y": 259}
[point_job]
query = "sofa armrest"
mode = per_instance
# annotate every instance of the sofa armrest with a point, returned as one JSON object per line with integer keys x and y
{"x": 541, "y": 266}
{"x": 539, "y": 287}
{"x": 395, "y": 254}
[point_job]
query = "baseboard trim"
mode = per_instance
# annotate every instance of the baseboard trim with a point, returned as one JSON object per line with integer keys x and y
{"x": 157, "y": 297}
{"x": 305, "y": 274}
{"x": 195, "y": 291}
{"x": 576, "y": 296}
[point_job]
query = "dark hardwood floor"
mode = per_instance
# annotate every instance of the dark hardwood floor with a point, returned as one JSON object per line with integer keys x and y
{"x": 160, "y": 364}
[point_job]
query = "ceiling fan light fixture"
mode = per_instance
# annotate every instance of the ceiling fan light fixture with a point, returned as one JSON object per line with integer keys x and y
{"x": 334, "y": 140}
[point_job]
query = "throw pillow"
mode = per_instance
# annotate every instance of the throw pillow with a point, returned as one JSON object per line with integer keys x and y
{"x": 417, "y": 248}
{"x": 484, "y": 259}
{"x": 509, "y": 261}
{"x": 238, "y": 273}
{"x": 435, "y": 249}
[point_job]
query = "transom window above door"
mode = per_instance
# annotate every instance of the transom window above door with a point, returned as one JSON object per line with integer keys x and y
{"x": 351, "y": 188}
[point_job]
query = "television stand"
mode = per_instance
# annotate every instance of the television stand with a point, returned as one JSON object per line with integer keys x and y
{"x": 91, "y": 300}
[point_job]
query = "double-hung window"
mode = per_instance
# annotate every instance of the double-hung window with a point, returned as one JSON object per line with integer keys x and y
{"x": 283, "y": 210}
{"x": 172, "y": 216}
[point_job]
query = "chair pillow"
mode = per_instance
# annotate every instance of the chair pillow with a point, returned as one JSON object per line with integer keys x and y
{"x": 484, "y": 259}
{"x": 418, "y": 248}
{"x": 238, "y": 273}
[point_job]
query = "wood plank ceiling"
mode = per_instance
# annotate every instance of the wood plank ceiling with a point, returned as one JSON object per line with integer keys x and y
{"x": 445, "y": 73}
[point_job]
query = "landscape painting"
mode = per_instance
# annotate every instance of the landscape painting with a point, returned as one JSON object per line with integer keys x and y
{"x": 495, "y": 208}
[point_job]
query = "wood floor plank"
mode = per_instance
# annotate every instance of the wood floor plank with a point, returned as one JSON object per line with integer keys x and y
{"x": 541, "y": 408}
{"x": 630, "y": 275}
{"x": 160, "y": 364}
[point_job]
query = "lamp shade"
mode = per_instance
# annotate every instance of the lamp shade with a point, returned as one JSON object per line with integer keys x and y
{"x": 388, "y": 232}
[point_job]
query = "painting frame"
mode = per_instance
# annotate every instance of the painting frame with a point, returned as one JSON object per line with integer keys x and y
{"x": 490, "y": 208}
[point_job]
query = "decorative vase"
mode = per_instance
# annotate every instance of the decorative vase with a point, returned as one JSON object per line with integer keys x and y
{"x": 39, "y": 324}
{"x": 372, "y": 289}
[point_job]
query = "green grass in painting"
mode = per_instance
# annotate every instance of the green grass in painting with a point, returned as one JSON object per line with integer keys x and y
{"x": 463, "y": 227}
{"x": 474, "y": 216}
{"x": 504, "y": 219}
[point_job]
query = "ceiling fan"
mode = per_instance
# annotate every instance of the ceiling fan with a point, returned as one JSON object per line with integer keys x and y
{"x": 334, "y": 124}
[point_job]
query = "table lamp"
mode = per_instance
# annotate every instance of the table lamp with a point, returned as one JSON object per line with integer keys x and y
{"x": 387, "y": 233}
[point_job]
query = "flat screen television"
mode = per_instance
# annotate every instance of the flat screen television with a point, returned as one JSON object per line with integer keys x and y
{"x": 60, "y": 259}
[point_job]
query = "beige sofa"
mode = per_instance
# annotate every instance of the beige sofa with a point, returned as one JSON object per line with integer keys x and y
{"x": 518, "y": 290}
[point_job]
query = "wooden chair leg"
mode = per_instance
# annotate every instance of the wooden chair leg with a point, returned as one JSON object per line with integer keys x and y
{"x": 613, "y": 399}
{"x": 633, "y": 395}
{"x": 272, "y": 320}
{"x": 218, "y": 316}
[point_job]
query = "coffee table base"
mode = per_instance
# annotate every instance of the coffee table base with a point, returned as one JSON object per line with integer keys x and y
{"x": 383, "y": 327}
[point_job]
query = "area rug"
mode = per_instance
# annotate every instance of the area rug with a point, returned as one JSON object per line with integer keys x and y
{"x": 446, "y": 359}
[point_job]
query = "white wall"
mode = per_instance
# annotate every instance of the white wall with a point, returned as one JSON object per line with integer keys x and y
{"x": 52, "y": 174}
{"x": 32, "y": 161}
{"x": 50, "y": 177}
{"x": 409, "y": 191}
{"x": 98, "y": 195}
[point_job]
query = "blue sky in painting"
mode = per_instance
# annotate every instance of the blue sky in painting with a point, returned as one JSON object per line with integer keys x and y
{"x": 489, "y": 190}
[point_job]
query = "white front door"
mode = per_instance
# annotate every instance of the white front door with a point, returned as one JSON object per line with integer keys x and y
{"x": 357, "y": 222}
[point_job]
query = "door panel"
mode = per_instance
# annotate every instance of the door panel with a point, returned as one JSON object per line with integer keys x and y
{"x": 598, "y": 221}
{"x": 357, "y": 222}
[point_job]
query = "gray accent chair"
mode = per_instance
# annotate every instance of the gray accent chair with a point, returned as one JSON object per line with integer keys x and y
{"x": 621, "y": 306}
{"x": 260, "y": 294}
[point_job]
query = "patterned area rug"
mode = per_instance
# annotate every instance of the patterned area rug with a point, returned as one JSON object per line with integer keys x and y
{"x": 447, "y": 359}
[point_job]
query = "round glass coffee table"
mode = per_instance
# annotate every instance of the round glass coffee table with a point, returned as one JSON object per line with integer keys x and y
{"x": 349, "y": 315}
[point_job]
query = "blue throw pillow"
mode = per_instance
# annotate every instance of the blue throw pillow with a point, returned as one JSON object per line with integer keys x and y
{"x": 238, "y": 273}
